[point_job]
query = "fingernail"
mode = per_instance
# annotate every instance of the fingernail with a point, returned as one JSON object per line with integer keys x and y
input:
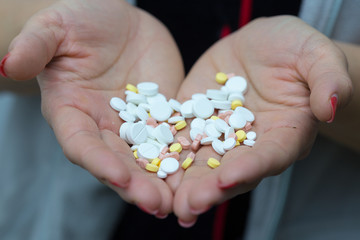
{"x": 198, "y": 212}
{"x": 161, "y": 216}
{"x": 186, "y": 224}
{"x": 333, "y": 101}
{"x": 153, "y": 212}
{"x": 2, "y": 64}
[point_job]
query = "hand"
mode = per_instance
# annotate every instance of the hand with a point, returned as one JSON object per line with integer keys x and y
{"x": 85, "y": 53}
{"x": 294, "y": 73}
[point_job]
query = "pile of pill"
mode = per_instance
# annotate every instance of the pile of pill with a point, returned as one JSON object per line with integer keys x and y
{"x": 151, "y": 122}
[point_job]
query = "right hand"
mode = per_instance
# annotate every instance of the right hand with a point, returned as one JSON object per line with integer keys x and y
{"x": 84, "y": 53}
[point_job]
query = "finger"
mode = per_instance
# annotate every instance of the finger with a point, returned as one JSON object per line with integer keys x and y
{"x": 34, "y": 47}
{"x": 328, "y": 79}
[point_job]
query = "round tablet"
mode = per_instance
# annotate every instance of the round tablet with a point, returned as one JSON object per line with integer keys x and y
{"x": 161, "y": 174}
{"x": 197, "y": 96}
{"x": 123, "y": 129}
{"x": 248, "y": 115}
{"x": 163, "y": 134}
{"x": 137, "y": 133}
{"x": 174, "y": 104}
{"x": 156, "y": 98}
{"x": 126, "y": 116}
{"x": 218, "y": 146}
{"x": 176, "y": 119}
{"x": 136, "y": 98}
{"x": 169, "y": 165}
{"x": 211, "y": 131}
{"x": 249, "y": 143}
{"x": 117, "y": 104}
{"x": 148, "y": 88}
{"x": 207, "y": 140}
{"x": 194, "y": 132}
{"x": 216, "y": 94}
{"x": 237, "y": 121}
{"x": 148, "y": 151}
{"x": 229, "y": 143}
{"x": 251, "y": 135}
{"x": 221, "y": 104}
{"x": 187, "y": 109}
{"x": 202, "y": 108}
{"x": 141, "y": 113}
{"x": 198, "y": 123}
{"x": 236, "y": 84}
{"x": 160, "y": 111}
{"x": 221, "y": 125}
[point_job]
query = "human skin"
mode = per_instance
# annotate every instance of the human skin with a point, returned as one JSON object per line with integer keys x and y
{"x": 293, "y": 72}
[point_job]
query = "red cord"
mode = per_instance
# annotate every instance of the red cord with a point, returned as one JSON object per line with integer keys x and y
{"x": 245, "y": 12}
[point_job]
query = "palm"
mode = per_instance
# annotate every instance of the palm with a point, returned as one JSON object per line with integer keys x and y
{"x": 277, "y": 60}
{"x": 102, "y": 48}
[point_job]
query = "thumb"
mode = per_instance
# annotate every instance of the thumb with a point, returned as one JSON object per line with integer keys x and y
{"x": 34, "y": 47}
{"x": 329, "y": 83}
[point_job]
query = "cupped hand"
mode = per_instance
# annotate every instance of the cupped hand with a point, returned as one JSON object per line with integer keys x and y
{"x": 84, "y": 53}
{"x": 296, "y": 78}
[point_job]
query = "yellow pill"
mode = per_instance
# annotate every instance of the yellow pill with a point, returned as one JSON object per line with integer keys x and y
{"x": 213, "y": 163}
{"x": 214, "y": 117}
{"x": 175, "y": 147}
{"x": 221, "y": 78}
{"x": 236, "y": 103}
{"x": 237, "y": 143}
{"x": 241, "y": 135}
{"x": 188, "y": 161}
{"x": 135, "y": 154}
{"x": 151, "y": 167}
{"x": 131, "y": 87}
{"x": 180, "y": 125}
{"x": 156, "y": 161}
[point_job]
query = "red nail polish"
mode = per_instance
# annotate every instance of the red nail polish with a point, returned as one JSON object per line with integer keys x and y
{"x": 223, "y": 186}
{"x": 2, "y": 64}
{"x": 333, "y": 100}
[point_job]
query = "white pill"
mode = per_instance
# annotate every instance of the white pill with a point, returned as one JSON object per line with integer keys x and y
{"x": 207, "y": 140}
{"x": 251, "y": 135}
{"x": 156, "y": 98}
{"x": 198, "y": 123}
{"x": 202, "y": 108}
{"x": 221, "y": 125}
{"x": 228, "y": 131}
{"x": 225, "y": 89}
{"x": 131, "y": 108}
{"x": 229, "y": 144}
{"x": 175, "y": 105}
{"x": 137, "y": 133}
{"x": 148, "y": 88}
{"x": 225, "y": 110}
{"x": 211, "y": 131}
{"x": 123, "y": 129}
{"x": 150, "y": 131}
{"x": 148, "y": 151}
{"x": 166, "y": 124}
{"x": 249, "y": 143}
{"x": 187, "y": 109}
{"x": 236, "y": 84}
{"x": 215, "y": 94}
{"x": 209, "y": 121}
{"x": 134, "y": 147}
{"x": 197, "y": 96}
{"x": 154, "y": 142}
{"x": 161, "y": 174}
{"x": 169, "y": 165}
{"x": 160, "y": 110}
{"x": 237, "y": 121}
{"x": 136, "y": 98}
{"x": 218, "y": 146}
{"x": 126, "y": 116}
{"x": 219, "y": 104}
{"x": 142, "y": 114}
{"x": 117, "y": 104}
{"x": 194, "y": 132}
{"x": 145, "y": 106}
{"x": 248, "y": 115}
{"x": 175, "y": 119}
{"x": 127, "y": 92}
{"x": 236, "y": 96}
{"x": 163, "y": 134}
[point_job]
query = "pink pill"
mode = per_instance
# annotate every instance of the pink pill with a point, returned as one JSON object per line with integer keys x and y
{"x": 175, "y": 155}
{"x": 248, "y": 126}
{"x": 198, "y": 137}
{"x": 162, "y": 156}
{"x": 184, "y": 142}
{"x": 142, "y": 162}
{"x": 152, "y": 122}
{"x": 165, "y": 150}
{"x": 222, "y": 116}
{"x": 191, "y": 155}
{"x": 227, "y": 119}
{"x": 173, "y": 130}
{"x": 195, "y": 145}
{"x": 233, "y": 135}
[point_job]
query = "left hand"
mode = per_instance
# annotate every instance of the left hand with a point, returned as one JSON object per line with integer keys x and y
{"x": 293, "y": 73}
